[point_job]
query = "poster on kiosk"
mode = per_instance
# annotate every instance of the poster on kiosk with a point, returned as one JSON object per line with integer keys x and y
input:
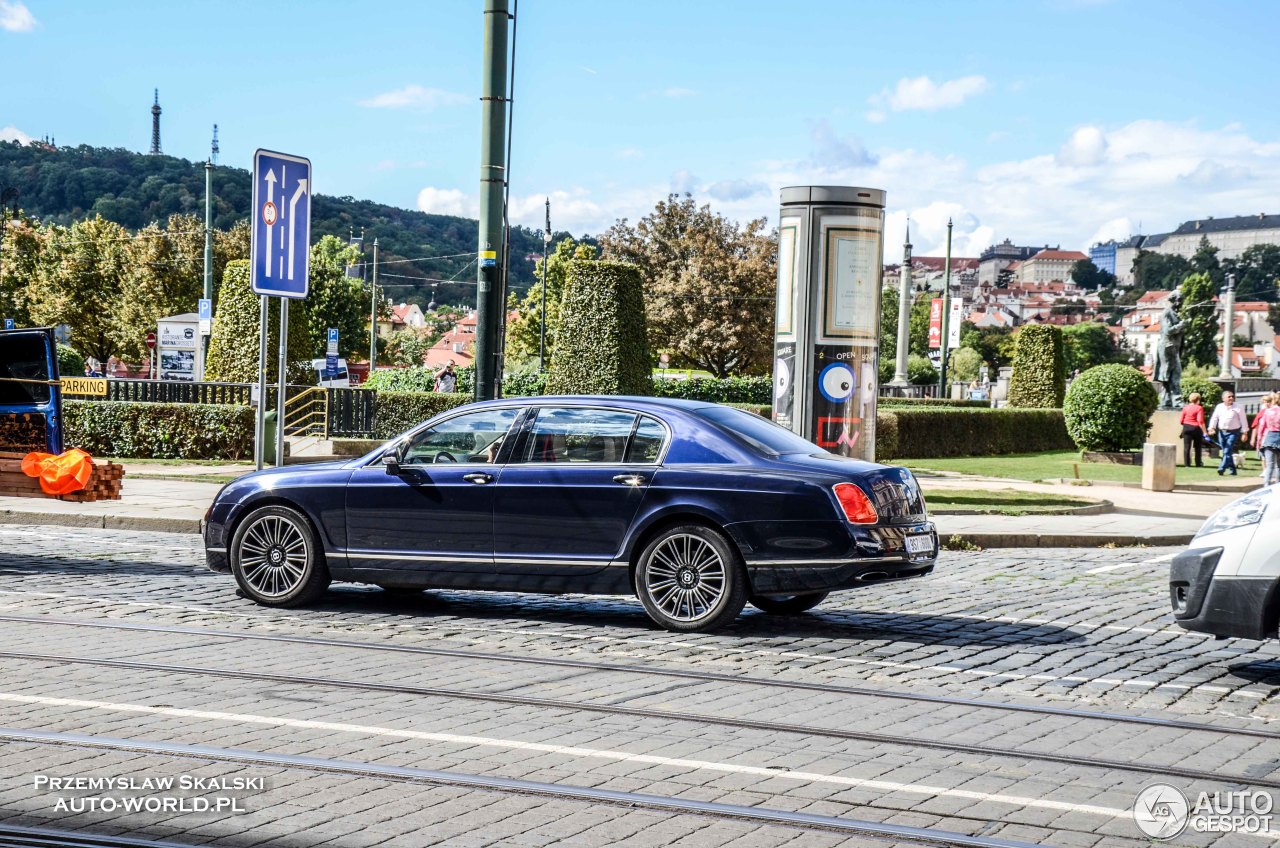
{"x": 178, "y": 350}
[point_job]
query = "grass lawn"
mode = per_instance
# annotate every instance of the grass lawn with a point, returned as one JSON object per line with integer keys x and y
{"x": 998, "y": 501}
{"x": 1059, "y": 464}
{"x": 190, "y": 478}
{"x": 131, "y": 461}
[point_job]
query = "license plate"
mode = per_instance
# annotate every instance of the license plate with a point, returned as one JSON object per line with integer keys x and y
{"x": 920, "y": 544}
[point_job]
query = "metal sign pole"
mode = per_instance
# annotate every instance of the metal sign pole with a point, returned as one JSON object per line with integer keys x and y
{"x": 260, "y": 425}
{"x": 284, "y": 381}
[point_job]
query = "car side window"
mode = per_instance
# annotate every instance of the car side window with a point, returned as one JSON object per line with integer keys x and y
{"x": 472, "y": 437}
{"x": 562, "y": 434}
{"x": 646, "y": 443}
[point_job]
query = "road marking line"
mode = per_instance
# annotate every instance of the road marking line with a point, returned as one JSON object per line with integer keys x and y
{"x": 416, "y": 627}
{"x": 571, "y": 751}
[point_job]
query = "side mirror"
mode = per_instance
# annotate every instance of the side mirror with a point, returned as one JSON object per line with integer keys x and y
{"x": 391, "y": 462}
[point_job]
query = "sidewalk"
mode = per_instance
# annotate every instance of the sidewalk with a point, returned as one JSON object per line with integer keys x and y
{"x": 169, "y": 506}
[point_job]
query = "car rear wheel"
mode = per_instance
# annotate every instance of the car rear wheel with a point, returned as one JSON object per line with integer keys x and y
{"x": 788, "y": 604}
{"x": 276, "y": 558}
{"x": 689, "y": 579}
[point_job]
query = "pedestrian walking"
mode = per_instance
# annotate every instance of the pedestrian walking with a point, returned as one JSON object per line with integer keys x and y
{"x": 1229, "y": 425}
{"x": 1267, "y": 402}
{"x": 1192, "y": 430}
{"x": 1267, "y": 438}
{"x": 446, "y": 379}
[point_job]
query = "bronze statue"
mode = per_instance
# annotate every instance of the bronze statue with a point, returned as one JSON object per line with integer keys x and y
{"x": 1167, "y": 369}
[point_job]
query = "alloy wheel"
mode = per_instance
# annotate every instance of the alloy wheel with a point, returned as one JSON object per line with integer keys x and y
{"x": 686, "y": 577}
{"x": 273, "y": 555}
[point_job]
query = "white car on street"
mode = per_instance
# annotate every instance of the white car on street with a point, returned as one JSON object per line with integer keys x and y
{"x": 1228, "y": 581}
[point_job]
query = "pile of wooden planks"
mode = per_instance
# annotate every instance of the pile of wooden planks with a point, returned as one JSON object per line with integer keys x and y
{"x": 103, "y": 485}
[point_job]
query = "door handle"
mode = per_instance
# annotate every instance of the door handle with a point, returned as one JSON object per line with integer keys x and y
{"x": 478, "y": 477}
{"x": 630, "y": 479}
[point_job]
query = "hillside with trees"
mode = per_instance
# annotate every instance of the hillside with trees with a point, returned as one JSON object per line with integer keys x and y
{"x": 70, "y": 184}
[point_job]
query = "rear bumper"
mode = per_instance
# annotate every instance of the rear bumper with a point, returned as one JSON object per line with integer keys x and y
{"x": 791, "y": 557}
{"x": 1243, "y": 607}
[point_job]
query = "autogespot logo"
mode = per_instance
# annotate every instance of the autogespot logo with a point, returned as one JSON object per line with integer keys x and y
{"x": 1161, "y": 811}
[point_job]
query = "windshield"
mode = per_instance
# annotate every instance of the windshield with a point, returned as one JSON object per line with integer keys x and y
{"x": 758, "y": 432}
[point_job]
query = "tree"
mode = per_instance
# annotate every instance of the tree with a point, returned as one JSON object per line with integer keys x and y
{"x": 524, "y": 333}
{"x": 994, "y": 344}
{"x": 1257, "y": 271}
{"x": 920, "y": 371}
{"x": 1200, "y": 332}
{"x": 602, "y": 347}
{"x": 78, "y": 283}
{"x": 1205, "y": 261}
{"x": 1039, "y": 368}
{"x": 1157, "y": 272}
{"x": 919, "y": 323}
{"x": 336, "y": 300}
{"x": 406, "y": 347}
{"x": 964, "y": 364}
{"x": 20, "y": 256}
{"x": 164, "y": 269}
{"x": 233, "y": 347}
{"x": 1088, "y": 344}
{"x": 1089, "y": 276}
{"x": 888, "y": 333}
{"x": 709, "y": 284}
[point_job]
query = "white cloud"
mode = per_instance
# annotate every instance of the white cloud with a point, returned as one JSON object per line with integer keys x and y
{"x": 736, "y": 189}
{"x": 414, "y": 96}
{"x": 1086, "y": 147}
{"x": 684, "y": 182}
{"x": 12, "y": 133}
{"x": 15, "y": 17}
{"x": 1118, "y": 229}
{"x": 630, "y": 153}
{"x": 571, "y": 210}
{"x": 676, "y": 91}
{"x": 912, "y": 93}
{"x": 448, "y": 201}
{"x": 830, "y": 151}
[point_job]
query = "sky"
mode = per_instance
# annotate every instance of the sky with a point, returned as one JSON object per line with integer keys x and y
{"x": 1041, "y": 121}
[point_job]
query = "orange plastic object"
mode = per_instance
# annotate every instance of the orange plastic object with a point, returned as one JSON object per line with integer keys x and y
{"x": 62, "y": 474}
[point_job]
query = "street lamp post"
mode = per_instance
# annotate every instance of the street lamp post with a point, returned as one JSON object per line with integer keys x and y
{"x": 1228, "y": 328}
{"x": 946, "y": 317}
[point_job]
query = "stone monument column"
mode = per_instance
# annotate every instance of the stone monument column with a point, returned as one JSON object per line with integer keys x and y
{"x": 827, "y": 336}
{"x": 900, "y": 377}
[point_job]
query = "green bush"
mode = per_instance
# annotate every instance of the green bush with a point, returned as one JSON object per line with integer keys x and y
{"x": 928, "y": 401}
{"x": 762, "y": 409}
{"x": 159, "y": 430}
{"x": 233, "y": 346}
{"x": 940, "y": 431}
{"x": 524, "y": 383}
{"x": 601, "y": 345}
{"x": 920, "y": 371}
{"x": 414, "y": 379}
{"x": 399, "y": 411}
{"x": 1109, "y": 408}
{"x": 70, "y": 363}
{"x": 728, "y": 390}
{"x": 1210, "y": 392}
{"x": 964, "y": 364}
{"x": 1039, "y": 368}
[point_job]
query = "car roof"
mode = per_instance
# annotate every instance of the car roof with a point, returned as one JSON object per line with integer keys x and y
{"x": 635, "y": 401}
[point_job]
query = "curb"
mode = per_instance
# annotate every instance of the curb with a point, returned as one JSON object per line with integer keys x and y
{"x": 1097, "y": 508}
{"x": 102, "y": 522}
{"x": 1063, "y": 540}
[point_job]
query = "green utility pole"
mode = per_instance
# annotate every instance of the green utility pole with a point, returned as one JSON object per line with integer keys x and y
{"x": 373, "y": 313}
{"x": 208, "y": 240}
{"x": 493, "y": 175}
{"x": 946, "y": 316}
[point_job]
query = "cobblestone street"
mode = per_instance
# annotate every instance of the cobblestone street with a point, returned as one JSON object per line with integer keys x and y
{"x": 1023, "y": 695}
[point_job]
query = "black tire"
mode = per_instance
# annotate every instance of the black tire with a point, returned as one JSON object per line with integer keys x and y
{"x": 690, "y": 579}
{"x": 277, "y": 559}
{"x": 788, "y": 604}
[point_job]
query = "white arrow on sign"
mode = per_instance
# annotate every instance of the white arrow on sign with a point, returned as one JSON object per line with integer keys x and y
{"x": 293, "y": 206}
{"x": 271, "y": 198}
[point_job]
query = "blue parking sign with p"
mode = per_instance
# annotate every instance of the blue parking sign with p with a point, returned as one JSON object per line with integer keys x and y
{"x": 281, "y": 234}
{"x": 8, "y": 323}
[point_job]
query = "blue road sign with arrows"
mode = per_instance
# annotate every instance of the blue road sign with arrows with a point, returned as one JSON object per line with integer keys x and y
{"x": 281, "y": 240}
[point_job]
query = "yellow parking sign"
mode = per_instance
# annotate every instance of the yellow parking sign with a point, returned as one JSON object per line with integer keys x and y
{"x": 89, "y": 386}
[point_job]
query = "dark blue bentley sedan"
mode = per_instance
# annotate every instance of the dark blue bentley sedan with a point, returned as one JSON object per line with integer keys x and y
{"x": 695, "y": 508}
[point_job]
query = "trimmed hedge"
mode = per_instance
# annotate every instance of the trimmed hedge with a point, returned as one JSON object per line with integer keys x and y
{"x": 601, "y": 345}
{"x": 1039, "y": 368}
{"x": 943, "y": 402}
{"x": 1210, "y": 392}
{"x": 939, "y": 432}
{"x": 399, "y": 411}
{"x": 159, "y": 430}
{"x": 758, "y": 390}
{"x": 70, "y": 362}
{"x": 1109, "y": 408}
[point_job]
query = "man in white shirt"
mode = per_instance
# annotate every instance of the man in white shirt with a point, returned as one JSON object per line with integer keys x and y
{"x": 1230, "y": 424}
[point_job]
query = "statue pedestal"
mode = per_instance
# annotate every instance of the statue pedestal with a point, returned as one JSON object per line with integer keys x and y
{"x": 1165, "y": 427}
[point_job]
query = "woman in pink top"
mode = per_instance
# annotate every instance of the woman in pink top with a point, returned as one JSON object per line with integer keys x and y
{"x": 1269, "y": 439}
{"x": 1192, "y": 429}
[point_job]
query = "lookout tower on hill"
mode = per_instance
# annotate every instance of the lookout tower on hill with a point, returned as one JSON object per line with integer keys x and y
{"x": 155, "y": 125}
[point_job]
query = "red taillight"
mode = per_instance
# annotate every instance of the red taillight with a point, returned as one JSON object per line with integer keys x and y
{"x": 856, "y": 505}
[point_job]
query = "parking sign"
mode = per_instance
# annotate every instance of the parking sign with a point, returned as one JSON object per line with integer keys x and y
{"x": 281, "y": 235}
{"x": 332, "y": 349}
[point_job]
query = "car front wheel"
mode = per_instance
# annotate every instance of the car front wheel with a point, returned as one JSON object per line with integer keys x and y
{"x": 788, "y": 604}
{"x": 276, "y": 558}
{"x": 689, "y": 579}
